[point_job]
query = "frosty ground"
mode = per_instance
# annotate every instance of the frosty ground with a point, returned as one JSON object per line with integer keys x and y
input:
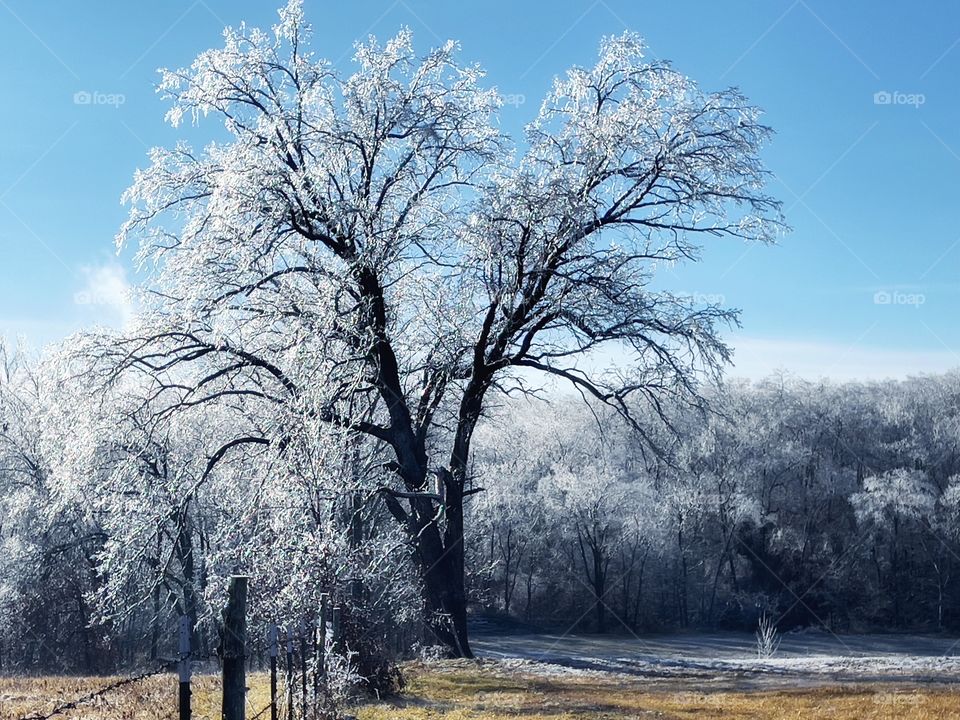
{"x": 814, "y": 675}
{"x": 729, "y": 660}
{"x": 543, "y": 676}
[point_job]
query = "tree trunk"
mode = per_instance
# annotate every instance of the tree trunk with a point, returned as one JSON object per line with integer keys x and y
{"x": 445, "y": 598}
{"x": 600, "y": 589}
{"x": 184, "y": 549}
{"x": 155, "y": 623}
{"x": 528, "y": 609}
{"x": 682, "y": 584}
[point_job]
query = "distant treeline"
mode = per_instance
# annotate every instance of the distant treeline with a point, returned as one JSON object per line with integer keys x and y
{"x": 822, "y": 504}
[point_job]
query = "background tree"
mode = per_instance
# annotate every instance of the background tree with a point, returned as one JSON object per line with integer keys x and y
{"x": 49, "y": 533}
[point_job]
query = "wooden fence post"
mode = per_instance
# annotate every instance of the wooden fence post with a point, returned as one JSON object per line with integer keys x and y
{"x": 274, "y": 651}
{"x": 234, "y": 650}
{"x": 184, "y": 668}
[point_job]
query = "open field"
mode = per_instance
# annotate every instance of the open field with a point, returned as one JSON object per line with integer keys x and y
{"x": 487, "y": 692}
{"x": 541, "y": 677}
{"x": 728, "y": 660}
{"x": 491, "y": 690}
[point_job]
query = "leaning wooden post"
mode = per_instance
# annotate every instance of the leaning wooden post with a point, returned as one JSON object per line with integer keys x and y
{"x": 184, "y": 667}
{"x": 274, "y": 651}
{"x": 289, "y": 673}
{"x": 234, "y": 650}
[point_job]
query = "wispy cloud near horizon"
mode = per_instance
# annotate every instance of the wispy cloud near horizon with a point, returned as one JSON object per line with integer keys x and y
{"x": 757, "y": 357}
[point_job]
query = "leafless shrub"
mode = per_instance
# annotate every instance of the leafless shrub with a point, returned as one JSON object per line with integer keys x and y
{"x": 768, "y": 637}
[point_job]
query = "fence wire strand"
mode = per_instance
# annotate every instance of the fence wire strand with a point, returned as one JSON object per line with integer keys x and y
{"x": 96, "y": 694}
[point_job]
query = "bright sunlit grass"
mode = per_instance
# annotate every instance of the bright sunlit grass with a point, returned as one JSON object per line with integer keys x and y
{"x": 482, "y": 695}
{"x": 484, "y": 692}
{"x": 151, "y": 699}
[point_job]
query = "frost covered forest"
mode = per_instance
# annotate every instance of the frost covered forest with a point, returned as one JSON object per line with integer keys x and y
{"x": 823, "y": 504}
{"x": 383, "y": 350}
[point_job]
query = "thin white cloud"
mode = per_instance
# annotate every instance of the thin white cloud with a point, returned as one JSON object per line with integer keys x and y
{"x": 757, "y": 358}
{"x": 106, "y": 294}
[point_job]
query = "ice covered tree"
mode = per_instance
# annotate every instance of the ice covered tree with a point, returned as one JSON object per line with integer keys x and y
{"x": 49, "y": 535}
{"x": 371, "y": 251}
{"x": 893, "y": 504}
{"x": 139, "y": 474}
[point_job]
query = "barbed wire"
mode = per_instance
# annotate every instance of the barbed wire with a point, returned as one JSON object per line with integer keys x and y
{"x": 261, "y": 713}
{"x": 91, "y": 696}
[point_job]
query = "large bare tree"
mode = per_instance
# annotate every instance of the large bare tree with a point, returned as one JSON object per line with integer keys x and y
{"x": 372, "y": 251}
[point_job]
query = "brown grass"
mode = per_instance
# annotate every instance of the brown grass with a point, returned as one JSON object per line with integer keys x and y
{"x": 152, "y": 699}
{"x": 484, "y": 694}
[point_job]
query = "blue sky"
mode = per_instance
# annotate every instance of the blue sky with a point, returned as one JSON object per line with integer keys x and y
{"x": 865, "y": 286}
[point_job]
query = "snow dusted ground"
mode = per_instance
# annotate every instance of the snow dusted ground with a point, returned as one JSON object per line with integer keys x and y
{"x": 730, "y": 659}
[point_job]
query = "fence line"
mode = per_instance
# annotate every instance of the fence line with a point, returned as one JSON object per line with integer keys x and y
{"x": 234, "y": 653}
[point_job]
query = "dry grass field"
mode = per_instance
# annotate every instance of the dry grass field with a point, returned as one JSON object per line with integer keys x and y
{"x": 152, "y": 699}
{"x": 462, "y": 691}
{"x": 482, "y": 693}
